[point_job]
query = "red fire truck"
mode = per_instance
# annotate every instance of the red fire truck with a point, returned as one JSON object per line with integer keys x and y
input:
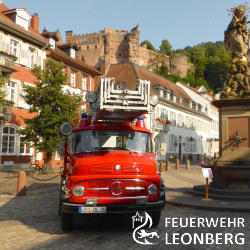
{"x": 109, "y": 162}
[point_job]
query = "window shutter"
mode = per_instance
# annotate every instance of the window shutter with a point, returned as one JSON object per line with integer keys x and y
{"x": 195, "y": 145}
{"x": 69, "y": 75}
{"x": 170, "y": 142}
{"x": 3, "y": 46}
{"x": 7, "y": 47}
{"x": 186, "y": 144}
{"x": 79, "y": 80}
{"x": 157, "y": 112}
{"x": 20, "y": 101}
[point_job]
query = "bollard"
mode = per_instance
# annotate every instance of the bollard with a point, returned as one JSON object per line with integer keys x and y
{"x": 161, "y": 166}
{"x": 177, "y": 164}
{"x": 188, "y": 164}
{"x": 167, "y": 165}
{"x": 21, "y": 184}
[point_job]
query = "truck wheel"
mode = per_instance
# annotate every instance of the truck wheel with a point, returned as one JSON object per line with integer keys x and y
{"x": 66, "y": 221}
{"x": 156, "y": 216}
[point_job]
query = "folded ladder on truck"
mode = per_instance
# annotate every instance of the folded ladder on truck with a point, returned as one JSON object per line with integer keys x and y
{"x": 123, "y": 106}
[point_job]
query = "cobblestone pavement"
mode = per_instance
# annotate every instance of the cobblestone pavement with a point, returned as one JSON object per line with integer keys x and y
{"x": 32, "y": 222}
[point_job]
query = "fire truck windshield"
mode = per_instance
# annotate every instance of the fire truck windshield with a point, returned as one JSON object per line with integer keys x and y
{"x": 109, "y": 140}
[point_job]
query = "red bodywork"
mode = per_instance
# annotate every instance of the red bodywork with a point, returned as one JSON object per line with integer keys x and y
{"x": 96, "y": 172}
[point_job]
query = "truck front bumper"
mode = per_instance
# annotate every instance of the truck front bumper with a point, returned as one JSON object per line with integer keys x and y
{"x": 68, "y": 207}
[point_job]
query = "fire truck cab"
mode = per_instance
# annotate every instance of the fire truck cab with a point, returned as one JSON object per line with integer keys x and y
{"x": 109, "y": 162}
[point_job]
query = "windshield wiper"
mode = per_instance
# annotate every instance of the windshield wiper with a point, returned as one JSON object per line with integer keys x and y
{"x": 132, "y": 150}
{"x": 101, "y": 148}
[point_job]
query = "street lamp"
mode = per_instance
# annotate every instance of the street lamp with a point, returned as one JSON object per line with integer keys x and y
{"x": 191, "y": 142}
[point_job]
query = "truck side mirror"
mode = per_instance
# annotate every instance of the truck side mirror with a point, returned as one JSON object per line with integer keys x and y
{"x": 61, "y": 148}
{"x": 163, "y": 149}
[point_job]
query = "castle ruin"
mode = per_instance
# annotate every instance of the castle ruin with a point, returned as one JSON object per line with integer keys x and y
{"x": 120, "y": 46}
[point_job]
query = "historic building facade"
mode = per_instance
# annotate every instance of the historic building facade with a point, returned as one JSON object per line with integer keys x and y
{"x": 21, "y": 47}
{"x": 205, "y": 98}
{"x": 178, "y": 119}
{"x": 121, "y": 46}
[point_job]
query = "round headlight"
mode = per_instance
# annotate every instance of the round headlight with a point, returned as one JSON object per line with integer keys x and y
{"x": 152, "y": 189}
{"x": 154, "y": 100}
{"x": 66, "y": 128}
{"x": 91, "y": 97}
{"x": 78, "y": 191}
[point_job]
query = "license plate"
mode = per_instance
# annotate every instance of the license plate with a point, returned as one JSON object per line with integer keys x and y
{"x": 87, "y": 210}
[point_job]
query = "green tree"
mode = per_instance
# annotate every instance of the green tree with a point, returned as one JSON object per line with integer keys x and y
{"x": 149, "y": 45}
{"x": 166, "y": 48}
{"x": 158, "y": 66}
{"x": 53, "y": 107}
{"x": 2, "y": 92}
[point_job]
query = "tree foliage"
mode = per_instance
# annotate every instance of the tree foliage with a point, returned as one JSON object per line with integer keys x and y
{"x": 52, "y": 105}
{"x": 158, "y": 66}
{"x": 149, "y": 45}
{"x": 212, "y": 62}
{"x": 166, "y": 48}
{"x": 2, "y": 92}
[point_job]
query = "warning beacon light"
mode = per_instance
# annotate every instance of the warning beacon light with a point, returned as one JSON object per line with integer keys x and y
{"x": 140, "y": 122}
{"x": 84, "y": 120}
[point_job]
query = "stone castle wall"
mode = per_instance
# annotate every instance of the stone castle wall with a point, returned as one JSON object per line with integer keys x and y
{"x": 120, "y": 46}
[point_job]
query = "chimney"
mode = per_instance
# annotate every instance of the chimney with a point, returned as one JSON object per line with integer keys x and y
{"x": 104, "y": 65}
{"x": 34, "y": 22}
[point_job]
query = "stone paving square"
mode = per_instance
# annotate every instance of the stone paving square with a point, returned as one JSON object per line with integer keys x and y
{"x": 32, "y": 221}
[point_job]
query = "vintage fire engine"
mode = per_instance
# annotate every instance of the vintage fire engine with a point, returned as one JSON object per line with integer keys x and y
{"x": 109, "y": 162}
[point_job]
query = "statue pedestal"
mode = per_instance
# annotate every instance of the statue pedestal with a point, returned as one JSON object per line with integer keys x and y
{"x": 232, "y": 169}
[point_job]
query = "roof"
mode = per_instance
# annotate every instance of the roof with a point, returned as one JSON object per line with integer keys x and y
{"x": 46, "y": 33}
{"x": 59, "y": 55}
{"x": 68, "y": 45}
{"x": 131, "y": 72}
{"x": 7, "y": 23}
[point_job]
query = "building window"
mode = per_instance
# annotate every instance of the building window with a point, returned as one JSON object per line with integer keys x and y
{"x": 165, "y": 114}
{"x": 24, "y": 148}
{"x": 72, "y": 53}
{"x": 52, "y": 43}
{"x": 87, "y": 47}
{"x": 13, "y": 47}
{"x": 120, "y": 54}
{"x": 84, "y": 83}
{"x": 173, "y": 142}
{"x": 9, "y": 141}
{"x": 198, "y": 125}
{"x": 31, "y": 57}
{"x": 180, "y": 120}
{"x": 84, "y": 96}
{"x": 193, "y": 124}
{"x": 173, "y": 118}
{"x": 11, "y": 91}
{"x": 187, "y": 122}
{"x": 95, "y": 46}
{"x": 73, "y": 79}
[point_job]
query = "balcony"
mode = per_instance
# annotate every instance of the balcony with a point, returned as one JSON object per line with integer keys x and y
{"x": 6, "y": 112}
{"x": 7, "y": 62}
{"x": 157, "y": 126}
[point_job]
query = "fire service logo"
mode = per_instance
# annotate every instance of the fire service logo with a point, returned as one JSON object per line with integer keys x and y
{"x": 143, "y": 236}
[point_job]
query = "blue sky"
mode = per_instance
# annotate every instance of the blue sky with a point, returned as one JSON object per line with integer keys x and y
{"x": 182, "y": 22}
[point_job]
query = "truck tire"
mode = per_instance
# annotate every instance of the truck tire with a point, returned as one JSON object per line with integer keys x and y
{"x": 156, "y": 216}
{"x": 66, "y": 221}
